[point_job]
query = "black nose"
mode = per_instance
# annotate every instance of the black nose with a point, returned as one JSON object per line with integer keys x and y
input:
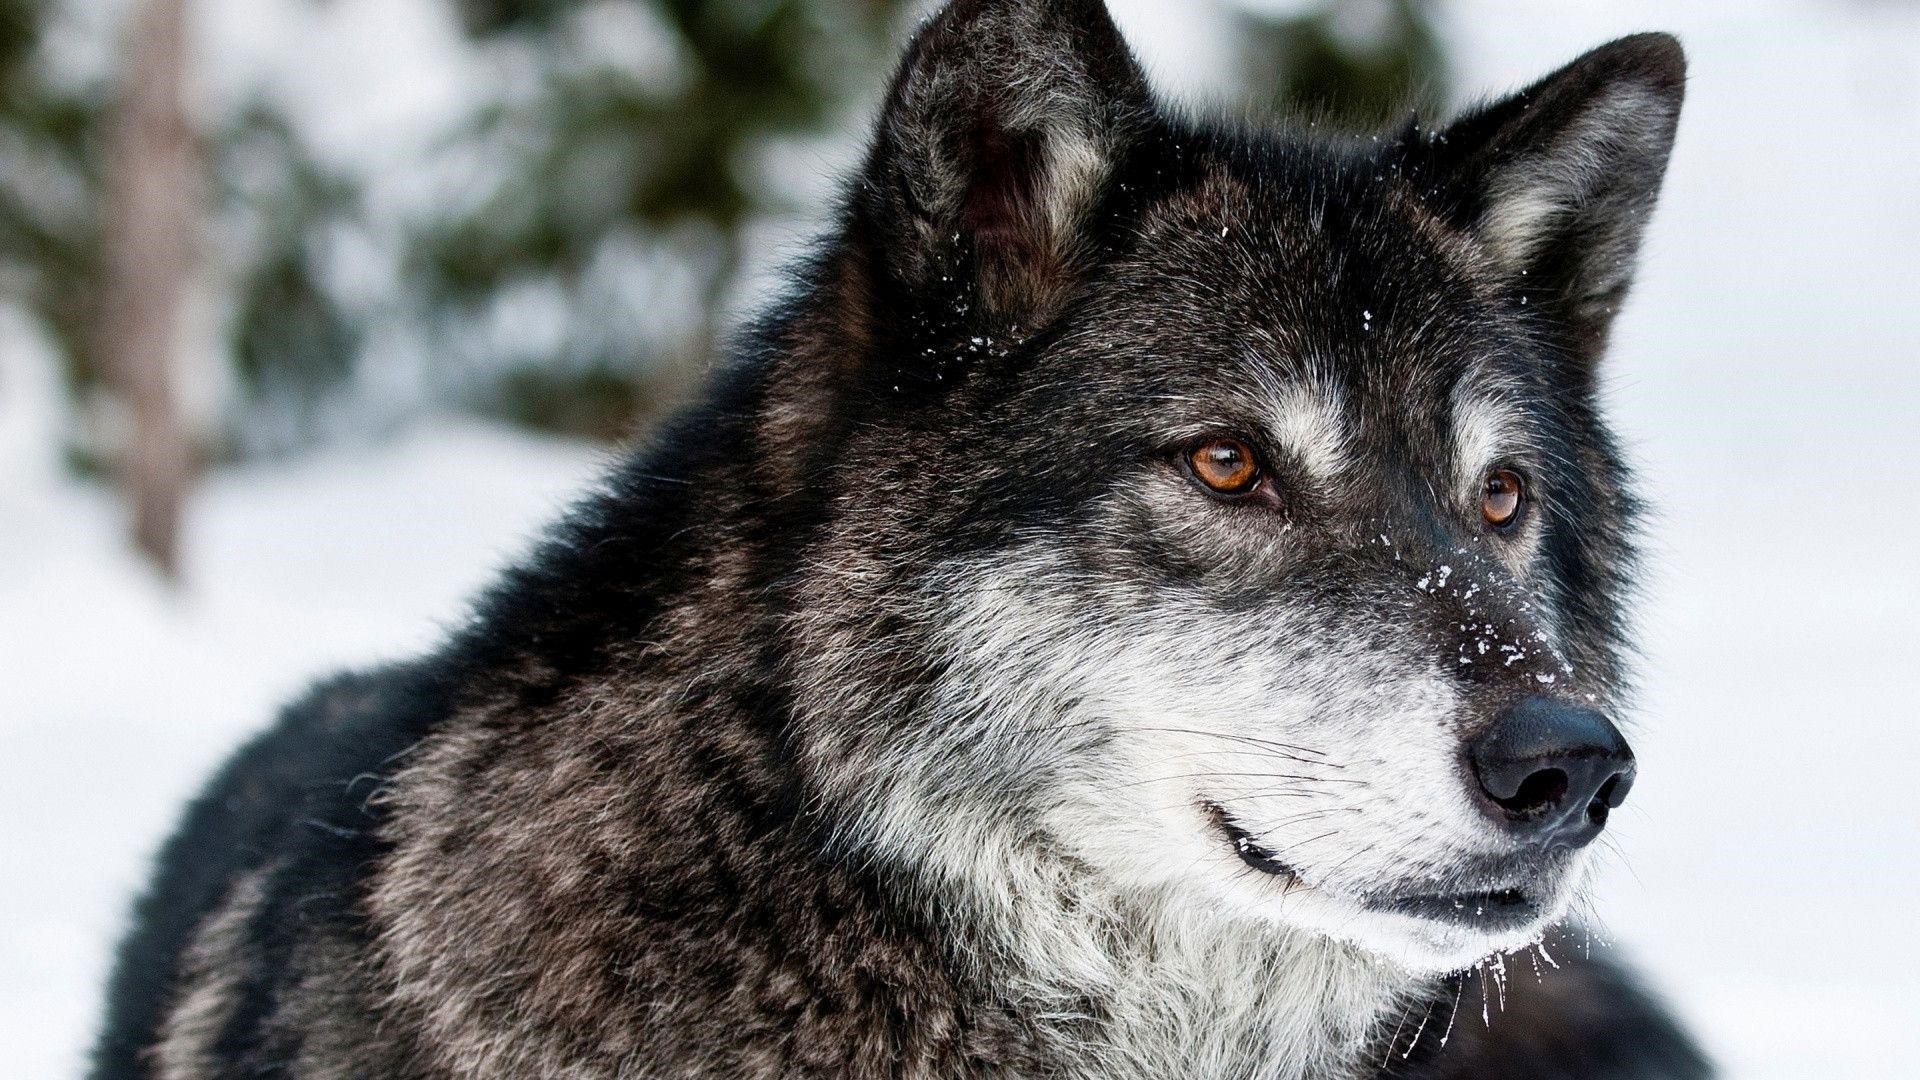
{"x": 1554, "y": 770}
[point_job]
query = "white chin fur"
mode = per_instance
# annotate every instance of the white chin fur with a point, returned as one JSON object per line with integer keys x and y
{"x": 1423, "y": 946}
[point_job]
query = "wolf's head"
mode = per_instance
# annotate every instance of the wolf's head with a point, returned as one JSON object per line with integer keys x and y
{"x": 1223, "y": 514}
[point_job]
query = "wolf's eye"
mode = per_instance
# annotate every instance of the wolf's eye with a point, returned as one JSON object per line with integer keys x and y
{"x": 1225, "y": 466}
{"x": 1502, "y": 498}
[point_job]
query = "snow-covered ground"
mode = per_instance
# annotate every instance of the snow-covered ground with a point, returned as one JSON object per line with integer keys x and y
{"x": 116, "y": 698}
{"x": 1766, "y": 376}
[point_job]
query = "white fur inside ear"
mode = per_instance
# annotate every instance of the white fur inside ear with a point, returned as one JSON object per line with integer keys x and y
{"x": 1075, "y": 167}
{"x": 1531, "y": 196}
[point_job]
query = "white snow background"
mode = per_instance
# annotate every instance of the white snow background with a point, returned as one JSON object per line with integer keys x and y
{"x": 1764, "y": 376}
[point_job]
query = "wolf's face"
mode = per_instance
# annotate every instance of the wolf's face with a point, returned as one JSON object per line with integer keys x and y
{"x": 1227, "y": 514}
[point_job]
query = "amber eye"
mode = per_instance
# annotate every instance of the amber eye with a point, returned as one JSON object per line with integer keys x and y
{"x": 1501, "y": 499}
{"x": 1225, "y": 466}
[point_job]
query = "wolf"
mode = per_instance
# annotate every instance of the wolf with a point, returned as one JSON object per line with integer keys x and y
{"x": 1151, "y": 602}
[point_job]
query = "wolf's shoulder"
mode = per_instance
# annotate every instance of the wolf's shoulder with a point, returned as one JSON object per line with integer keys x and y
{"x": 312, "y": 770}
{"x": 296, "y": 796}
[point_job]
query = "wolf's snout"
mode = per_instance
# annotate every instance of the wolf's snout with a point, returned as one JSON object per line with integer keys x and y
{"x": 1553, "y": 770}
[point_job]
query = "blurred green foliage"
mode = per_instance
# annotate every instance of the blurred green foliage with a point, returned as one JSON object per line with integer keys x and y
{"x": 19, "y": 29}
{"x": 267, "y": 195}
{"x": 1355, "y": 62}
{"x": 661, "y": 154}
{"x": 50, "y": 186}
{"x": 292, "y": 337}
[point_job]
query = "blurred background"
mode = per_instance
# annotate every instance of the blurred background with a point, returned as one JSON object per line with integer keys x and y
{"x": 312, "y": 311}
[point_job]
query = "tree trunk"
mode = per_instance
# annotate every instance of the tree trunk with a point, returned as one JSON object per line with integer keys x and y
{"x": 152, "y": 200}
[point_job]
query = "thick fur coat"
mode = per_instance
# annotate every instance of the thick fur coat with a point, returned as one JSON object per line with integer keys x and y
{"x": 908, "y": 709}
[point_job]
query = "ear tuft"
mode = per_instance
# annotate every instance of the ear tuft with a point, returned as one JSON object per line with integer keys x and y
{"x": 998, "y": 136}
{"x": 1557, "y": 181}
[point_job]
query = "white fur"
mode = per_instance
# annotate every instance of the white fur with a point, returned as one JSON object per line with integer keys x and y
{"x": 1104, "y": 880}
{"x": 1076, "y": 163}
{"x": 1308, "y": 419}
{"x": 1483, "y": 432}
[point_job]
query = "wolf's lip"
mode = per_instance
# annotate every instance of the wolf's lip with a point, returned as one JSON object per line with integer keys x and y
{"x": 1244, "y": 845}
{"x": 1493, "y": 909}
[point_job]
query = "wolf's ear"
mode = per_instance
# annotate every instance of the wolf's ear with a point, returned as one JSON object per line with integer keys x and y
{"x": 1558, "y": 180}
{"x": 997, "y": 139}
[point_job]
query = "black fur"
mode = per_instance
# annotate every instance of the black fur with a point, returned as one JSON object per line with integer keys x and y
{"x": 1582, "y": 1017}
{"x": 608, "y": 828}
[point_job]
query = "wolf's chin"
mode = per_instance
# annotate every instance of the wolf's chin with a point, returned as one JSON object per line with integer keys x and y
{"x": 1430, "y": 947}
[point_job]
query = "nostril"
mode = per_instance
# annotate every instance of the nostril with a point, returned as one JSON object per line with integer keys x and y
{"x": 1611, "y": 794}
{"x": 1614, "y": 791}
{"x": 1604, "y": 797}
{"x": 1539, "y": 792}
{"x": 1598, "y": 809}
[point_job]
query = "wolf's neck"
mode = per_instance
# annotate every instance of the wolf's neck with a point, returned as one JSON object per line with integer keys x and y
{"x": 1137, "y": 986}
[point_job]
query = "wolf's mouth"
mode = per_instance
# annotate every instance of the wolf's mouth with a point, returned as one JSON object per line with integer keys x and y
{"x": 1492, "y": 909}
{"x": 1507, "y": 908}
{"x": 1244, "y": 845}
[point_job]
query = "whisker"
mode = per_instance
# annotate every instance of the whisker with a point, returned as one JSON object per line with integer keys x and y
{"x": 1283, "y": 794}
{"x": 1276, "y": 793}
{"x": 1249, "y": 739}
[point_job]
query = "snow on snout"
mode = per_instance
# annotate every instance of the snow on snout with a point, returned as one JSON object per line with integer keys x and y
{"x": 1498, "y": 638}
